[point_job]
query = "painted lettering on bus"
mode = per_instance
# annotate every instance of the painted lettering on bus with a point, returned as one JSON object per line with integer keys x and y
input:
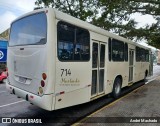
{"x": 65, "y": 72}
{"x": 64, "y": 80}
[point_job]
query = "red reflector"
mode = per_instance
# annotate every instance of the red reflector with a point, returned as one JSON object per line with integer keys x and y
{"x": 44, "y": 76}
{"x": 62, "y": 92}
{"x": 31, "y": 96}
{"x": 42, "y": 83}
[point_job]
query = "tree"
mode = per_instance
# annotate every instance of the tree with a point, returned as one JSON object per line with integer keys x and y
{"x": 113, "y": 15}
{"x": 150, "y": 33}
{"x": 82, "y": 9}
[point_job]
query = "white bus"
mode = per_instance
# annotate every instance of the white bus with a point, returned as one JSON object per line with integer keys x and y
{"x": 56, "y": 61}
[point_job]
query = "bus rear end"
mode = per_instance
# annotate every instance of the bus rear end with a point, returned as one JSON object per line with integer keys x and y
{"x": 27, "y": 59}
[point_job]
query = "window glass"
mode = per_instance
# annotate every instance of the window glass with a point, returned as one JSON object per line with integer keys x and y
{"x": 142, "y": 55}
{"x": 94, "y": 82}
{"x": 147, "y": 56}
{"x": 102, "y": 55}
{"x": 117, "y": 50}
{"x": 30, "y": 30}
{"x": 73, "y": 43}
{"x": 138, "y": 54}
{"x": 95, "y": 55}
{"x": 82, "y": 45}
{"x": 101, "y": 80}
{"x": 126, "y": 52}
{"x": 109, "y": 49}
{"x": 65, "y": 42}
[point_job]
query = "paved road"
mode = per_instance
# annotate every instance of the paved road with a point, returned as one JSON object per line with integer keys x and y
{"x": 141, "y": 105}
{"x": 156, "y": 72}
{"x": 11, "y": 106}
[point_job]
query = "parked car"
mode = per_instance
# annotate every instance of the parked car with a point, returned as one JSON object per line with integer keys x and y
{"x": 3, "y": 75}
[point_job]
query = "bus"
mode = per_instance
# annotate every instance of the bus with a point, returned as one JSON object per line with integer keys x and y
{"x": 56, "y": 61}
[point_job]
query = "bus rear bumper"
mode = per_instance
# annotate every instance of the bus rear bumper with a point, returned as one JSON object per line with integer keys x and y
{"x": 45, "y": 101}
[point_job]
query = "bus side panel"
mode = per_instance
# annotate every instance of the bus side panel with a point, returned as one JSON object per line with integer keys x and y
{"x": 73, "y": 80}
{"x": 117, "y": 68}
{"x": 72, "y": 98}
{"x": 137, "y": 73}
{"x": 145, "y": 67}
{"x": 140, "y": 69}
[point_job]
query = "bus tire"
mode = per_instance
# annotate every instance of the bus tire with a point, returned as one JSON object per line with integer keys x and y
{"x": 116, "y": 88}
{"x": 145, "y": 76}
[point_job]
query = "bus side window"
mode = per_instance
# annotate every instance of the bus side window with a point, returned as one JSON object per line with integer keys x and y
{"x": 142, "y": 55}
{"x": 138, "y": 54}
{"x": 65, "y": 41}
{"x": 95, "y": 55}
{"x": 82, "y": 44}
{"x": 146, "y": 55}
{"x": 73, "y": 43}
{"x": 117, "y": 50}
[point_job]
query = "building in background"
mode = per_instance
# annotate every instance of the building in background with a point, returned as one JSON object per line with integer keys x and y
{"x": 3, "y": 50}
{"x": 3, "y": 54}
{"x": 4, "y": 35}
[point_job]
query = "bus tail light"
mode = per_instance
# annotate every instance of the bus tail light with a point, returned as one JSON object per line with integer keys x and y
{"x": 61, "y": 92}
{"x": 42, "y": 83}
{"x": 44, "y": 76}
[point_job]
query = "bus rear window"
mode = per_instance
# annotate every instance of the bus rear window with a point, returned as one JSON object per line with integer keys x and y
{"x": 30, "y": 30}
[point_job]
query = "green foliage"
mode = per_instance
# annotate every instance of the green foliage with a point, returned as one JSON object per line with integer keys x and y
{"x": 113, "y": 15}
{"x": 82, "y": 9}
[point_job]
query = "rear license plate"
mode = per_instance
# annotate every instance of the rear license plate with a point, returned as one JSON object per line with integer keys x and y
{"x": 22, "y": 79}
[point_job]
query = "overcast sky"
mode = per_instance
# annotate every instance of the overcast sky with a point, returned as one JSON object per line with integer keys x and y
{"x": 11, "y": 9}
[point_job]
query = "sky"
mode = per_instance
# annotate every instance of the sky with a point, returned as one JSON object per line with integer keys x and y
{"x": 11, "y": 9}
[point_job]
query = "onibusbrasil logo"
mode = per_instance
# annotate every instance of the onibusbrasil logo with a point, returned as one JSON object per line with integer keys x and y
{"x": 1, "y": 55}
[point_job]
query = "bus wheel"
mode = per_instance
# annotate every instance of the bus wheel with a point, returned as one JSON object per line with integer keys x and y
{"x": 116, "y": 88}
{"x": 145, "y": 76}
